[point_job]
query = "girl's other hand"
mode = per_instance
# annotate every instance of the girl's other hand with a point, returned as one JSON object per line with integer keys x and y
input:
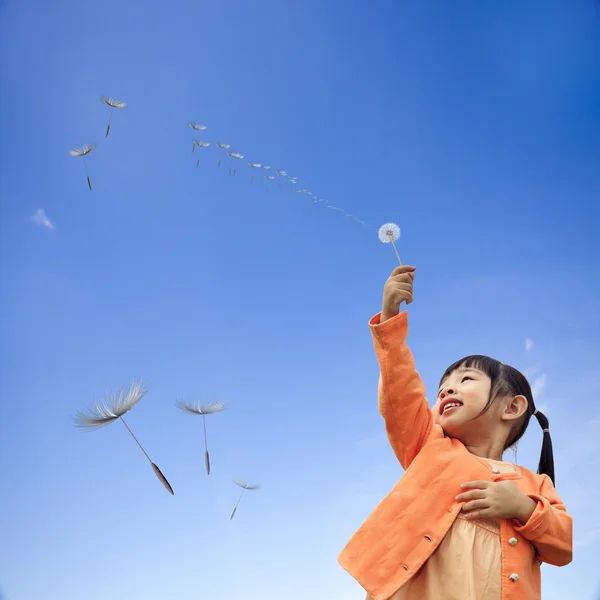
{"x": 496, "y": 499}
{"x": 397, "y": 289}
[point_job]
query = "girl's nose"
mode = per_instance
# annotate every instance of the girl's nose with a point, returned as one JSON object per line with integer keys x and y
{"x": 446, "y": 392}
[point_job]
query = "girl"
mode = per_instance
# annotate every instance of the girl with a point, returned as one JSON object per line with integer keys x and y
{"x": 461, "y": 524}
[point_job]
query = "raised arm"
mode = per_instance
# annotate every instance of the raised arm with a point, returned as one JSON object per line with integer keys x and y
{"x": 402, "y": 402}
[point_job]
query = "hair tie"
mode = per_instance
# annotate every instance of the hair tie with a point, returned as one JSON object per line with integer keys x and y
{"x": 546, "y": 430}
{"x": 535, "y": 412}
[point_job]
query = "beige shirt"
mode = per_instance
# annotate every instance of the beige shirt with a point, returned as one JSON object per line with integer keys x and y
{"x": 467, "y": 565}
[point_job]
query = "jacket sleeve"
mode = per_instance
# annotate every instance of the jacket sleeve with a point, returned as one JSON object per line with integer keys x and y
{"x": 550, "y": 527}
{"x": 401, "y": 391}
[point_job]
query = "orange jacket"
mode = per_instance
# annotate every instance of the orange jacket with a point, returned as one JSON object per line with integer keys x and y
{"x": 407, "y": 526}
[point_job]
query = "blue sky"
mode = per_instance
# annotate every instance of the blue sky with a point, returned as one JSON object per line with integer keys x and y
{"x": 473, "y": 125}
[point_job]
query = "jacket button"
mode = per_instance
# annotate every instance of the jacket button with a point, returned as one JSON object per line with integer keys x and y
{"x": 513, "y": 541}
{"x": 514, "y": 577}
{"x": 496, "y": 470}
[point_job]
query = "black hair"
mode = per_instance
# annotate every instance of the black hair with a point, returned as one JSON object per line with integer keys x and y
{"x": 507, "y": 381}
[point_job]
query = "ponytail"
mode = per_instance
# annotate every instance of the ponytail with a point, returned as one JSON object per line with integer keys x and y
{"x": 546, "y": 465}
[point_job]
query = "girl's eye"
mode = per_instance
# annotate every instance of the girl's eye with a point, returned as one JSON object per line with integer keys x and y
{"x": 466, "y": 377}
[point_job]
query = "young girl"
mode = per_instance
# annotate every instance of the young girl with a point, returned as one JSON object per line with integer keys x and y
{"x": 461, "y": 524}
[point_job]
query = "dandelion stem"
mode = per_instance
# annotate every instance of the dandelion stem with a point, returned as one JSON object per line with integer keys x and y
{"x": 237, "y": 504}
{"x": 394, "y": 245}
{"x": 136, "y": 440}
{"x": 87, "y": 174}
{"x": 109, "y": 120}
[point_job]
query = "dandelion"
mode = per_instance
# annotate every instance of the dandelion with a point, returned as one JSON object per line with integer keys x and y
{"x": 84, "y": 151}
{"x": 223, "y": 147}
{"x": 232, "y": 156}
{"x": 113, "y": 104}
{"x": 244, "y": 486}
{"x": 200, "y": 145}
{"x": 202, "y": 409}
{"x": 196, "y": 127}
{"x": 269, "y": 178}
{"x": 390, "y": 232}
{"x": 281, "y": 173}
{"x": 254, "y": 166}
{"x": 113, "y": 408}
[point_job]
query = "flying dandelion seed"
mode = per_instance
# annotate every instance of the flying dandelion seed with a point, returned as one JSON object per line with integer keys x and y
{"x": 113, "y": 104}
{"x": 114, "y": 408}
{"x": 202, "y": 409}
{"x": 292, "y": 181}
{"x": 200, "y": 145}
{"x": 264, "y": 167}
{"x": 244, "y": 486}
{"x": 232, "y": 156}
{"x": 196, "y": 127}
{"x": 223, "y": 147}
{"x": 390, "y": 232}
{"x": 281, "y": 174}
{"x": 269, "y": 178}
{"x": 254, "y": 166}
{"x": 84, "y": 151}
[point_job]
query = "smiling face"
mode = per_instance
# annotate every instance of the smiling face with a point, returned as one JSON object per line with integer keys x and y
{"x": 462, "y": 405}
{"x": 462, "y": 396}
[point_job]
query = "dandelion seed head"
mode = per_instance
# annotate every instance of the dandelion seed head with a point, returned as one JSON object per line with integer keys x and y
{"x": 235, "y": 155}
{"x": 111, "y": 407}
{"x": 247, "y": 486}
{"x": 389, "y": 232}
{"x": 113, "y": 103}
{"x": 199, "y": 408}
{"x": 197, "y": 126}
{"x": 201, "y": 144}
{"x": 255, "y": 165}
{"x": 223, "y": 146}
{"x": 83, "y": 150}
{"x": 266, "y": 167}
{"x": 282, "y": 173}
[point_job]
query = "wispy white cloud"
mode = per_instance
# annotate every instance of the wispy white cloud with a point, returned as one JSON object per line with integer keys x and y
{"x": 529, "y": 344}
{"x": 40, "y": 218}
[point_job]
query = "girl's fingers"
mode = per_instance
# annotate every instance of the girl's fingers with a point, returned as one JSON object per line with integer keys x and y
{"x": 403, "y": 277}
{"x": 403, "y": 269}
{"x": 475, "y": 505}
{"x": 475, "y": 494}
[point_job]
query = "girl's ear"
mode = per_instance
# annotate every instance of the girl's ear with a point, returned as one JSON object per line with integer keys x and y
{"x": 515, "y": 408}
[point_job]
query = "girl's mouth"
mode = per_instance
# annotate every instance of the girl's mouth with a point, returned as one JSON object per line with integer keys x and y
{"x": 449, "y": 405}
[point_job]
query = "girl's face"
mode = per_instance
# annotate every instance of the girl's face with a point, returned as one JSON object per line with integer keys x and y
{"x": 461, "y": 397}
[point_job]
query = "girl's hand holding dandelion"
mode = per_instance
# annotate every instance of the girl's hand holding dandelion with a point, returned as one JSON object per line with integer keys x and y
{"x": 495, "y": 499}
{"x": 397, "y": 289}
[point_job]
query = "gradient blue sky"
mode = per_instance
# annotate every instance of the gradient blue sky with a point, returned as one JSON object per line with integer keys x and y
{"x": 475, "y": 125}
